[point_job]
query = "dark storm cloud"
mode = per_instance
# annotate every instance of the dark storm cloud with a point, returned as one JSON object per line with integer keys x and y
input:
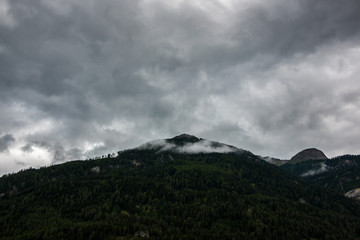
{"x": 80, "y": 79}
{"x": 286, "y": 27}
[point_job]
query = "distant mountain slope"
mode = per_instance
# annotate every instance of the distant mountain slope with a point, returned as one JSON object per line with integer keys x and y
{"x": 304, "y": 155}
{"x": 157, "y": 193}
{"x": 341, "y": 173}
{"x": 275, "y": 161}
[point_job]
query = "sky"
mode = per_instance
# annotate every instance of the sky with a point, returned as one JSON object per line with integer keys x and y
{"x": 83, "y": 78}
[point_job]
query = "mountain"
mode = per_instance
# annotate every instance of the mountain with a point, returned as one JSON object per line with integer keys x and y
{"x": 179, "y": 188}
{"x": 304, "y": 155}
{"x": 341, "y": 174}
{"x": 308, "y": 154}
{"x": 186, "y": 143}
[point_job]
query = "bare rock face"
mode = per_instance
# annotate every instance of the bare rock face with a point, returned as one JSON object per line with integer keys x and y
{"x": 355, "y": 193}
{"x": 309, "y": 154}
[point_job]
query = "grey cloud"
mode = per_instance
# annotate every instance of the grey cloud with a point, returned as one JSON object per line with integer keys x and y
{"x": 20, "y": 163}
{"x": 232, "y": 132}
{"x": 59, "y": 153}
{"x": 86, "y": 77}
{"x": 74, "y": 154}
{"x": 27, "y": 148}
{"x": 298, "y": 26}
{"x": 5, "y": 142}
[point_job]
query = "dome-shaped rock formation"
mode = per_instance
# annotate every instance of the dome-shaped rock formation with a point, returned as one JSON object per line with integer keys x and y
{"x": 309, "y": 154}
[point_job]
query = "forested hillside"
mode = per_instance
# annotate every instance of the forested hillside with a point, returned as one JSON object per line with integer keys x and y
{"x": 340, "y": 174}
{"x": 147, "y": 194}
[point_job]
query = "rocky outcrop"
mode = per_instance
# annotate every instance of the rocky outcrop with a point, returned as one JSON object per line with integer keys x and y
{"x": 355, "y": 193}
{"x": 309, "y": 154}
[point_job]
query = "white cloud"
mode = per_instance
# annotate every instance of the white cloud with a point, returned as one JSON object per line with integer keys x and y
{"x": 202, "y": 146}
{"x": 323, "y": 168}
{"x": 205, "y": 146}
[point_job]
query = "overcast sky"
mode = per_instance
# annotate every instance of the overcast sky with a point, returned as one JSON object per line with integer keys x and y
{"x": 81, "y": 78}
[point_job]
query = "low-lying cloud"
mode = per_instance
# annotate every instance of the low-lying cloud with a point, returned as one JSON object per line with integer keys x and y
{"x": 323, "y": 168}
{"x": 201, "y": 146}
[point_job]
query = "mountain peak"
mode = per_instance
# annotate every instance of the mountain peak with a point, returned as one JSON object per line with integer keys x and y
{"x": 309, "y": 154}
{"x": 188, "y": 144}
{"x": 184, "y": 136}
{"x": 183, "y": 139}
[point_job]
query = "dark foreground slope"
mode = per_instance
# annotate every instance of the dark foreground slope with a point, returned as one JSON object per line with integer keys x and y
{"x": 164, "y": 195}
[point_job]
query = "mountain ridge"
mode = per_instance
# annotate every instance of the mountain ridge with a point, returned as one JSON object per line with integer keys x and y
{"x": 159, "y": 193}
{"x": 189, "y": 144}
{"x": 341, "y": 173}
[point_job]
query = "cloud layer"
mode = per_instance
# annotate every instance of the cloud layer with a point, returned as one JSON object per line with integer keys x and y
{"x": 201, "y": 146}
{"x": 83, "y": 78}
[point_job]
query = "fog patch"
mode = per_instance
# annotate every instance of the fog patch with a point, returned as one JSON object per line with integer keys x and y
{"x": 323, "y": 168}
{"x": 156, "y": 145}
{"x": 205, "y": 146}
{"x": 202, "y": 146}
{"x": 95, "y": 169}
